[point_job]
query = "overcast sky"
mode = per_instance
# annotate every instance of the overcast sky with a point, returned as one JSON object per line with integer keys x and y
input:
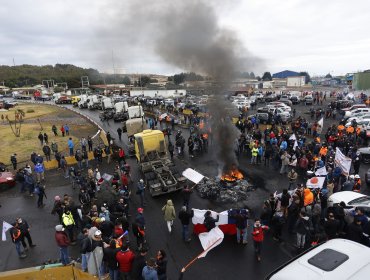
{"x": 316, "y": 36}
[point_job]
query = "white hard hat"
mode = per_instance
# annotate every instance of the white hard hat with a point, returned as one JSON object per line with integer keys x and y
{"x": 352, "y": 177}
{"x": 357, "y": 176}
{"x": 141, "y": 181}
{"x": 97, "y": 233}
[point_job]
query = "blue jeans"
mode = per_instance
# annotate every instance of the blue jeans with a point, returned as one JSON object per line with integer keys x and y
{"x": 18, "y": 247}
{"x": 64, "y": 258}
{"x": 185, "y": 232}
{"x": 239, "y": 232}
{"x": 85, "y": 260}
{"x": 114, "y": 274}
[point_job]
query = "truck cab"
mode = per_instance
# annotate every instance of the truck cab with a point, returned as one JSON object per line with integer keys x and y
{"x": 159, "y": 172}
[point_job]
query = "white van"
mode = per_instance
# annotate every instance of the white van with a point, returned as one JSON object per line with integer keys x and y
{"x": 333, "y": 260}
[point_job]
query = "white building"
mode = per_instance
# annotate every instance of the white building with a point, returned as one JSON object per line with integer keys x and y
{"x": 298, "y": 81}
{"x": 159, "y": 93}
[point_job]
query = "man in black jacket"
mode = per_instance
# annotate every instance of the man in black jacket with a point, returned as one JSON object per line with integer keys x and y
{"x": 138, "y": 264}
{"x": 209, "y": 221}
{"x": 86, "y": 244}
{"x": 185, "y": 217}
{"x": 25, "y": 230}
{"x": 110, "y": 260}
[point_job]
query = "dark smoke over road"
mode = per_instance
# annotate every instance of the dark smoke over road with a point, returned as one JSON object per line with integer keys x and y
{"x": 188, "y": 35}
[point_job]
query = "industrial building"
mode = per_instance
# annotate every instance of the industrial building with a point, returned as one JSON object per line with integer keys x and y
{"x": 298, "y": 81}
{"x": 361, "y": 80}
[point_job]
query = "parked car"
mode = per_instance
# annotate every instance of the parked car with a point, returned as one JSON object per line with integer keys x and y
{"x": 285, "y": 99}
{"x": 356, "y": 112}
{"x": 350, "y": 198}
{"x": 271, "y": 97}
{"x": 308, "y": 100}
{"x": 7, "y": 179}
{"x": 294, "y": 99}
{"x": 365, "y": 154}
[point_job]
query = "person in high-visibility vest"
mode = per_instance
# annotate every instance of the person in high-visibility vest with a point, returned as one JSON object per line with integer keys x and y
{"x": 16, "y": 235}
{"x": 69, "y": 224}
{"x": 254, "y": 154}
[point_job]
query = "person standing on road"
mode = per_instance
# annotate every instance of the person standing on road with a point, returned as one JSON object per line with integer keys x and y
{"x": 108, "y": 152}
{"x": 258, "y": 237}
{"x": 85, "y": 157}
{"x": 121, "y": 155}
{"x": 292, "y": 176}
{"x": 79, "y": 158}
{"x": 25, "y": 231}
{"x": 83, "y": 143}
{"x": 54, "y": 147}
{"x": 63, "y": 242}
{"x": 169, "y": 214}
{"x": 47, "y": 152}
{"x": 109, "y": 137}
{"x": 241, "y": 221}
{"x": 186, "y": 193}
{"x": 141, "y": 192}
{"x": 70, "y": 146}
{"x": 40, "y": 171}
{"x": 125, "y": 257}
{"x": 149, "y": 271}
{"x": 16, "y": 235}
{"x": 139, "y": 263}
{"x": 119, "y": 132}
{"x": 138, "y": 228}
{"x": 161, "y": 263}
{"x": 13, "y": 160}
{"x": 302, "y": 228}
{"x": 185, "y": 217}
{"x": 110, "y": 260}
{"x": 69, "y": 224}
{"x": 54, "y": 130}
{"x": 41, "y": 194}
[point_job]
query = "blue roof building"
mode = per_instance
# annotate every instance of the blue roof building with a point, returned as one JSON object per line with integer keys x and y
{"x": 285, "y": 74}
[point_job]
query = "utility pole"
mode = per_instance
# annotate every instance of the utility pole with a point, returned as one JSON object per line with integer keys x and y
{"x": 13, "y": 62}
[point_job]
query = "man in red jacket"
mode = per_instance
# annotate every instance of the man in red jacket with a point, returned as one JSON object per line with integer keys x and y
{"x": 258, "y": 236}
{"x": 63, "y": 242}
{"x": 125, "y": 257}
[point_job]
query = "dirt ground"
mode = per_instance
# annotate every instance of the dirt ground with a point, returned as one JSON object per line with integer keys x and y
{"x": 41, "y": 120}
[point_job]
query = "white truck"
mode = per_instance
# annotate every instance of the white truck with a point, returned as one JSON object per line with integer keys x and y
{"x": 106, "y": 103}
{"x": 120, "y": 111}
{"x": 93, "y": 102}
{"x": 135, "y": 112}
{"x": 82, "y": 104}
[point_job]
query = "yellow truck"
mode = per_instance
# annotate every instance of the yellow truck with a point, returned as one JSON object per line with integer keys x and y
{"x": 75, "y": 100}
{"x": 159, "y": 172}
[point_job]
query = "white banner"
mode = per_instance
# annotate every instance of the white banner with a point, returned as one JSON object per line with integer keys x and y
{"x": 210, "y": 240}
{"x": 198, "y": 217}
{"x": 321, "y": 171}
{"x": 318, "y": 185}
{"x": 192, "y": 175}
{"x": 6, "y": 227}
{"x": 343, "y": 162}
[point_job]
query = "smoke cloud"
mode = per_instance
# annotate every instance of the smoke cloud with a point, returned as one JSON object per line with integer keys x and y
{"x": 188, "y": 35}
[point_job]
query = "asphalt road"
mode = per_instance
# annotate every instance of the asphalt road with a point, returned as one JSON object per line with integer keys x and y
{"x": 227, "y": 261}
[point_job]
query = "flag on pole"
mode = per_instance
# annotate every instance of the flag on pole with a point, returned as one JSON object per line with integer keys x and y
{"x": 320, "y": 125}
{"x": 292, "y": 137}
{"x": 295, "y": 145}
{"x": 210, "y": 240}
{"x": 6, "y": 227}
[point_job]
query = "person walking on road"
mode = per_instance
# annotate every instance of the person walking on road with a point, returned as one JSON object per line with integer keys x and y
{"x": 63, "y": 242}
{"x": 40, "y": 191}
{"x": 119, "y": 132}
{"x": 169, "y": 214}
{"x": 141, "y": 192}
{"x": 161, "y": 265}
{"x": 258, "y": 237}
{"x": 25, "y": 231}
{"x": 40, "y": 171}
{"x": 16, "y": 235}
{"x": 185, "y": 216}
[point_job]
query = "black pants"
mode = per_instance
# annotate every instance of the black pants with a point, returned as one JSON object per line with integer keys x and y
{"x": 90, "y": 148}
{"x": 29, "y": 239}
{"x": 40, "y": 201}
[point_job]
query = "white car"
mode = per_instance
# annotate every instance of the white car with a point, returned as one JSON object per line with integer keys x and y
{"x": 356, "y": 112}
{"x": 282, "y": 106}
{"x": 360, "y": 122}
{"x": 349, "y": 198}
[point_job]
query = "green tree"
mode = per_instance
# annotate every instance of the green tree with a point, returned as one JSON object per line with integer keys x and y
{"x": 267, "y": 76}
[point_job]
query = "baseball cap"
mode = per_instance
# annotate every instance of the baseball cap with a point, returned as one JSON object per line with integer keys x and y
{"x": 59, "y": 228}
{"x": 140, "y": 210}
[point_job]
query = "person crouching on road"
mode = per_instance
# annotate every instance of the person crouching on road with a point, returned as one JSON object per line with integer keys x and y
{"x": 258, "y": 237}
